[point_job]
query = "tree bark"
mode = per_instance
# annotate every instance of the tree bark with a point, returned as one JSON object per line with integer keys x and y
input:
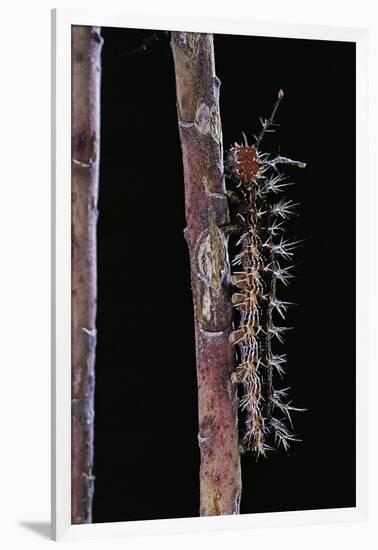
{"x": 206, "y": 208}
{"x": 86, "y": 75}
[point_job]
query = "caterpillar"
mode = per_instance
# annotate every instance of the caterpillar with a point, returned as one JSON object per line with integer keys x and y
{"x": 258, "y": 215}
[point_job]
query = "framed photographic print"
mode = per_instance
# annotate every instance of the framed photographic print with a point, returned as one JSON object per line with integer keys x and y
{"x": 209, "y": 274}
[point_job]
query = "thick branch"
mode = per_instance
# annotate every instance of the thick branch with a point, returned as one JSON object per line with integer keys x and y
{"x": 206, "y": 212}
{"x": 86, "y": 51}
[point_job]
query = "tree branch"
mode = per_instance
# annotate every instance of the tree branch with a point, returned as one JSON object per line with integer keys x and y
{"x": 206, "y": 212}
{"x": 86, "y": 50}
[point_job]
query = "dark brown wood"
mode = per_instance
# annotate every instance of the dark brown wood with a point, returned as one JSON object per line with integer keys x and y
{"x": 86, "y": 74}
{"x": 206, "y": 212}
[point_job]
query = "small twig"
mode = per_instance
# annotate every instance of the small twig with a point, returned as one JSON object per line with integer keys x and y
{"x": 143, "y": 47}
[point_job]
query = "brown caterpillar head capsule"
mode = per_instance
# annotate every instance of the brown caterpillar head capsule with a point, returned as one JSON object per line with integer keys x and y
{"x": 244, "y": 163}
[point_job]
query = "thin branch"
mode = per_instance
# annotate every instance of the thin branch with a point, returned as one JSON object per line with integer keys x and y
{"x": 86, "y": 50}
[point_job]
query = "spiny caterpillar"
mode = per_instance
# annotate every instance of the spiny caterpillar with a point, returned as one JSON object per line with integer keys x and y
{"x": 258, "y": 220}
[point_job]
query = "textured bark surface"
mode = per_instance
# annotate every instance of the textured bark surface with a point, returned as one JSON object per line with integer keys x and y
{"x": 86, "y": 74}
{"x": 206, "y": 211}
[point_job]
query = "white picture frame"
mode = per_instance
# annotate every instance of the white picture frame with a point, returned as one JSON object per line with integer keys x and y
{"x": 61, "y": 272}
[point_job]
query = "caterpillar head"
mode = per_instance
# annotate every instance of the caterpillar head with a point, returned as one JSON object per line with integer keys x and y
{"x": 244, "y": 164}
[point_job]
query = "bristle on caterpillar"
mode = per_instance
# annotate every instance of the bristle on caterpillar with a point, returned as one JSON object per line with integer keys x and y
{"x": 258, "y": 222}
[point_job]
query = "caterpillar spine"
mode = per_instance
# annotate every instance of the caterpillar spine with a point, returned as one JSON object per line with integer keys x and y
{"x": 259, "y": 221}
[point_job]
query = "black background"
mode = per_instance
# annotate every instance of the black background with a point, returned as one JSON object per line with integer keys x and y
{"x": 146, "y": 453}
